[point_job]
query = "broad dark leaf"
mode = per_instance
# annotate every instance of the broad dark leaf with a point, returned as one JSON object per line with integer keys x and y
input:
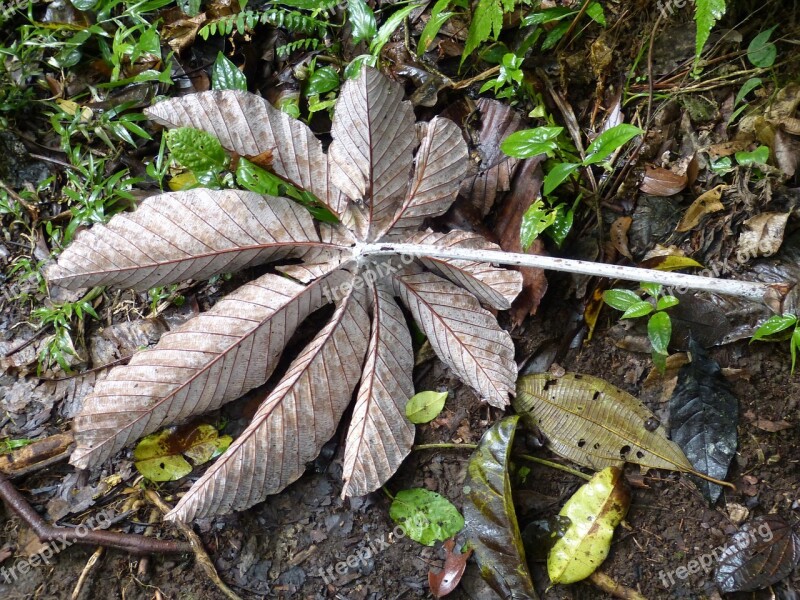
{"x": 761, "y": 553}
{"x": 489, "y": 517}
{"x": 703, "y": 418}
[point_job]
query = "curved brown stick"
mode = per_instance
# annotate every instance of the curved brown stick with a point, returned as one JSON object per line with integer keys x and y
{"x": 37, "y": 455}
{"x": 135, "y": 544}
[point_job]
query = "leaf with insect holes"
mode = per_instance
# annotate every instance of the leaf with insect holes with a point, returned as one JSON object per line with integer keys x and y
{"x": 591, "y": 422}
{"x": 425, "y": 516}
{"x": 379, "y": 181}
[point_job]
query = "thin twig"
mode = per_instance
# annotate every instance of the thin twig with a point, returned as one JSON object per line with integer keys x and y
{"x": 769, "y": 293}
{"x": 135, "y": 544}
{"x": 197, "y": 546}
{"x": 85, "y": 573}
{"x": 555, "y": 465}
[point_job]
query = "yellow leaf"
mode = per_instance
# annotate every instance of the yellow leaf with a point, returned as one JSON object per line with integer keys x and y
{"x": 594, "y": 511}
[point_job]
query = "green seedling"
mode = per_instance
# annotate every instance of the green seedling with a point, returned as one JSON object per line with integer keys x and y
{"x": 654, "y": 305}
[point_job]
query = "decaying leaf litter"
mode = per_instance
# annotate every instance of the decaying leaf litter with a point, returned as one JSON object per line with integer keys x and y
{"x": 683, "y": 157}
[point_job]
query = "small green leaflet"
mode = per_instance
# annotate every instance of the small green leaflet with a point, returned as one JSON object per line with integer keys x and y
{"x": 322, "y": 80}
{"x": 198, "y": 151}
{"x": 706, "y": 14}
{"x": 362, "y": 19}
{"x": 621, "y": 299}
{"x": 761, "y": 52}
{"x": 226, "y": 76}
{"x": 425, "y": 406}
{"x": 352, "y": 70}
{"x": 609, "y": 141}
{"x": 487, "y": 21}
{"x": 659, "y": 330}
{"x": 425, "y": 516}
{"x": 637, "y": 309}
{"x": 530, "y": 142}
{"x": 759, "y": 156}
{"x": 557, "y": 175}
{"x": 439, "y": 16}
{"x": 775, "y": 324}
{"x": 535, "y": 220}
{"x": 389, "y": 27}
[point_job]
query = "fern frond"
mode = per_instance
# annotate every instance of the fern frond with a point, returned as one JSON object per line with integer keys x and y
{"x": 304, "y": 44}
{"x": 291, "y": 20}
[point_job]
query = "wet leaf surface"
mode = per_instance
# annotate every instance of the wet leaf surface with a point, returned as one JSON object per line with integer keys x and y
{"x": 594, "y": 511}
{"x": 703, "y": 418}
{"x": 762, "y": 552}
{"x": 490, "y": 520}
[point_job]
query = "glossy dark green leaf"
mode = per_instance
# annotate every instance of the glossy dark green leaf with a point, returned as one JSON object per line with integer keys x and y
{"x": 530, "y": 142}
{"x": 324, "y": 79}
{"x": 558, "y": 175}
{"x": 226, "y": 76}
{"x": 761, "y": 553}
{"x": 621, "y": 299}
{"x": 362, "y": 20}
{"x": 490, "y": 521}
{"x": 637, "y": 309}
{"x": 659, "y": 330}
{"x": 703, "y": 417}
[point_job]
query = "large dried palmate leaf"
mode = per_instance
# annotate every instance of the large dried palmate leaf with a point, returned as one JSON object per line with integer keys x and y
{"x": 211, "y": 359}
{"x": 176, "y": 236}
{"x": 292, "y": 424}
{"x": 372, "y": 180}
{"x": 439, "y": 167}
{"x": 380, "y": 436}
{"x": 595, "y": 424}
{"x": 373, "y": 143}
{"x": 493, "y": 286}
{"x": 464, "y": 336}
{"x": 250, "y": 126}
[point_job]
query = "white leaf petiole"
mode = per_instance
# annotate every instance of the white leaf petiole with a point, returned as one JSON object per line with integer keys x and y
{"x": 763, "y": 292}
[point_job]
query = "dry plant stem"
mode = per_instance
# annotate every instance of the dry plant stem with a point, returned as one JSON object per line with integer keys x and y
{"x": 730, "y": 287}
{"x": 541, "y": 461}
{"x": 37, "y": 455}
{"x": 85, "y": 573}
{"x": 605, "y": 583}
{"x": 197, "y": 547}
{"x": 555, "y": 465}
{"x": 135, "y": 544}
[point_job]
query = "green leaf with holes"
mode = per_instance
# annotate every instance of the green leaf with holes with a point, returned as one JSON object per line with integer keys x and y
{"x": 425, "y": 516}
